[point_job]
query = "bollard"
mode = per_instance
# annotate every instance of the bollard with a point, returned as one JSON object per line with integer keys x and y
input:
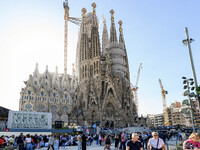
{"x": 167, "y": 145}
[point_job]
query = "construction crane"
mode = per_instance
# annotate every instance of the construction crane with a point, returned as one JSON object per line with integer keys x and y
{"x": 74, "y": 20}
{"x": 165, "y": 110}
{"x": 163, "y": 92}
{"x": 135, "y": 88}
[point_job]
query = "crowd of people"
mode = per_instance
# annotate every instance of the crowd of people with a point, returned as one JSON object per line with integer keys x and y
{"x": 123, "y": 141}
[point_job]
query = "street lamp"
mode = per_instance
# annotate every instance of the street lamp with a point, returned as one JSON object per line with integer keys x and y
{"x": 187, "y": 83}
{"x": 187, "y": 42}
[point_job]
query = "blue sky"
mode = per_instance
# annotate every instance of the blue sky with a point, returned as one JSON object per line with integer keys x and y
{"x": 33, "y": 31}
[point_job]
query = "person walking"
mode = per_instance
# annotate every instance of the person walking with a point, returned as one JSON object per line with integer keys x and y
{"x": 56, "y": 143}
{"x": 20, "y": 142}
{"x": 79, "y": 141}
{"x": 116, "y": 141}
{"x": 144, "y": 140}
{"x": 107, "y": 142}
{"x": 28, "y": 145}
{"x": 156, "y": 143}
{"x": 123, "y": 141}
{"x": 84, "y": 141}
{"x": 134, "y": 143}
{"x": 51, "y": 141}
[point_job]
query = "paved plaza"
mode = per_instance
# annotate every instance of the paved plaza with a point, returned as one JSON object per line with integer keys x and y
{"x": 171, "y": 146}
{"x": 92, "y": 147}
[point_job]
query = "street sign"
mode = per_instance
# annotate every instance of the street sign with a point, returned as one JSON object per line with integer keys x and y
{"x": 6, "y": 129}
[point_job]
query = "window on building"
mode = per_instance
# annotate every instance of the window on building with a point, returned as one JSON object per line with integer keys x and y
{"x": 54, "y": 94}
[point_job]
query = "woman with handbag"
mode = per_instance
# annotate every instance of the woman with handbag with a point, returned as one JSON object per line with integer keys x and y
{"x": 156, "y": 143}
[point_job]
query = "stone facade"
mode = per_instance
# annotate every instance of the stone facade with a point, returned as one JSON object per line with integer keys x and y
{"x": 99, "y": 90}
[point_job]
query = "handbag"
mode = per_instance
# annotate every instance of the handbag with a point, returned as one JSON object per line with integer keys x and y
{"x": 152, "y": 148}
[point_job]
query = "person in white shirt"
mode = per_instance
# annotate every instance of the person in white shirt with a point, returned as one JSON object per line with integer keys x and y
{"x": 156, "y": 143}
{"x": 28, "y": 145}
{"x": 99, "y": 139}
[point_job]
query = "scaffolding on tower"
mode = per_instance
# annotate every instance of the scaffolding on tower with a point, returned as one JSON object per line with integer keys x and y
{"x": 74, "y": 20}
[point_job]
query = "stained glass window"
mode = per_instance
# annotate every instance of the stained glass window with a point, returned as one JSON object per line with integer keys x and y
{"x": 41, "y": 107}
{"x": 35, "y": 82}
{"x": 28, "y": 106}
{"x": 53, "y": 108}
{"x": 29, "y": 92}
{"x": 65, "y": 109}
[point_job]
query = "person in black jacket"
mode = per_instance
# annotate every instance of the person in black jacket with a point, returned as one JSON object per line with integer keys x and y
{"x": 84, "y": 141}
{"x": 20, "y": 142}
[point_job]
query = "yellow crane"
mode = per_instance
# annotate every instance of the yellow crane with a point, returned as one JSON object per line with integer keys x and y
{"x": 135, "y": 88}
{"x": 165, "y": 111}
{"x": 74, "y": 20}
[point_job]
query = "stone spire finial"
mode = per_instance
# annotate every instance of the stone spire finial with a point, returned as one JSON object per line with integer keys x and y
{"x": 73, "y": 69}
{"x": 120, "y": 26}
{"x": 37, "y": 65}
{"x": 112, "y": 16}
{"x": 113, "y": 34}
{"x": 104, "y": 19}
{"x": 94, "y": 6}
{"x": 84, "y": 10}
{"x": 56, "y": 69}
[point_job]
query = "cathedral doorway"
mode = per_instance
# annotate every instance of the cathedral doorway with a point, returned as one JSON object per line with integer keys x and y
{"x": 109, "y": 124}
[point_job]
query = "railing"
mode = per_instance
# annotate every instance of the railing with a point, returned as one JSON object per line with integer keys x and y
{"x": 174, "y": 145}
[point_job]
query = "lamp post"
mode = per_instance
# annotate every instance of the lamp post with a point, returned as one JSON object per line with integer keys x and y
{"x": 187, "y": 83}
{"x": 187, "y": 43}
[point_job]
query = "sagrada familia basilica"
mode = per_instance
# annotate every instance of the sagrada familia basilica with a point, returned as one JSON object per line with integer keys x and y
{"x": 99, "y": 88}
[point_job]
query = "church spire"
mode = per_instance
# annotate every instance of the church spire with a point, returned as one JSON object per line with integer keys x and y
{"x": 104, "y": 37}
{"x": 95, "y": 41}
{"x": 73, "y": 69}
{"x": 84, "y": 39}
{"x": 36, "y": 72}
{"x": 83, "y": 26}
{"x": 113, "y": 34}
{"x": 121, "y": 37}
{"x": 121, "y": 40}
{"x": 94, "y": 19}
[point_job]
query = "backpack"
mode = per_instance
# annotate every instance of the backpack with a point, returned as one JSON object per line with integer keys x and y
{"x": 1, "y": 141}
{"x": 125, "y": 137}
{"x": 108, "y": 140}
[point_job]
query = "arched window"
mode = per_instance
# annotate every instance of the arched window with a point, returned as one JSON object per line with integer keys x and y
{"x": 54, "y": 94}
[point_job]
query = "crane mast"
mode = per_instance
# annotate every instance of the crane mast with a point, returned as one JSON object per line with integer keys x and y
{"x": 163, "y": 92}
{"x": 74, "y": 20}
{"x": 165, "y": 110}
{"x": 135, "y": 88}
